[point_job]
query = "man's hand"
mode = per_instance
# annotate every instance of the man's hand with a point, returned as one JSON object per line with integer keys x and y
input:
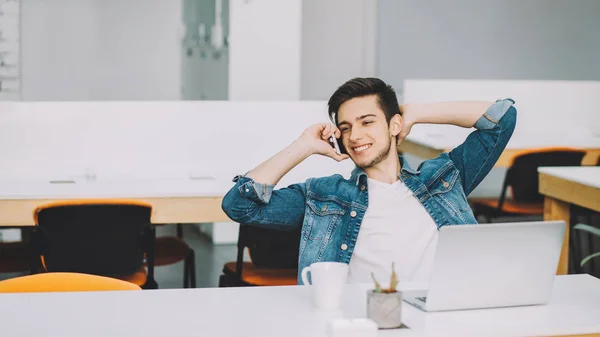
{"x": 408, "y": 120}
{"x": 316, "y": 140}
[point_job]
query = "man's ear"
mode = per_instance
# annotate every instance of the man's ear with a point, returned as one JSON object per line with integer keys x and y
{"x": 396, "y": 124}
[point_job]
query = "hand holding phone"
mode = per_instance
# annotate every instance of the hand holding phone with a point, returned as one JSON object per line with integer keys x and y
{"x": 333, "y": 141}
{"x": 321, "y": 139}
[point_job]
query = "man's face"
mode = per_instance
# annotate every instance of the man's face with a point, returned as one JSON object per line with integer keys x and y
{"x": 365, "y": 132}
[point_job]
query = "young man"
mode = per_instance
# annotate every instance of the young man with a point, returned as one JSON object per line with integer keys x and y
{"x": 387, "y": 211}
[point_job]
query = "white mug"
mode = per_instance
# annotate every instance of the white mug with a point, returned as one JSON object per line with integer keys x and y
{"x": 328, "y": 282}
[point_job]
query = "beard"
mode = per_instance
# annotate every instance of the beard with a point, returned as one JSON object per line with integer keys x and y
{"x": 380, "y": 156}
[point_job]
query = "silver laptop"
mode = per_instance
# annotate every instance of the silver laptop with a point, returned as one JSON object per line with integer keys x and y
{"x": 492, "y": 265}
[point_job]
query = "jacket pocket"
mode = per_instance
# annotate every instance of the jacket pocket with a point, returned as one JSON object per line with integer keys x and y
{"x": 323, "y": 217}
{"x": 447, "y": 189}
{"x": 444, "y": 182}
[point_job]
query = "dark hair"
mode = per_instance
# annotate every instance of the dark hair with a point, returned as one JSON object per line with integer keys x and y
{"x": 359, "y": 87}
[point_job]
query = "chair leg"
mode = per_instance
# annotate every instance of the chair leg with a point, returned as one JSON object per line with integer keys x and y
{"x": 574, "y": 253}
{"x": 478, "y": 214}
{"x": 483, "y": 217}
{"x": 192, "y": 266}
{"x": 180, "y": 231}
{"x": 186, "y": 272}
{"x": 150, "y": 284}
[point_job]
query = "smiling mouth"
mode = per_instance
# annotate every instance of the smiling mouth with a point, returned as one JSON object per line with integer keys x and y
{"x": 361, "y": 148}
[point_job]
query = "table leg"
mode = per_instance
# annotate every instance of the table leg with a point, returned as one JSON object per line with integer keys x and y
{"x": 559, "y": 210}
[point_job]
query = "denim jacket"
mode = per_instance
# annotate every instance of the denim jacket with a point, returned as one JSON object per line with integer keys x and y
{"x": 330, "y": 209}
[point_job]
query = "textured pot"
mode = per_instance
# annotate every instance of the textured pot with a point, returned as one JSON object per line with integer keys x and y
{"x": 385, "y": 309}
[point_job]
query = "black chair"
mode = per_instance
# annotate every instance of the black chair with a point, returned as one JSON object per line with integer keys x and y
{"x": 112, "y": 238}
{"x": 522, "y": 180}
{"x": 273, "y": 255}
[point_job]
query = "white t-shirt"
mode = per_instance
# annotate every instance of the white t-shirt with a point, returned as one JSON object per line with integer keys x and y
{"x": 396, "y": 228}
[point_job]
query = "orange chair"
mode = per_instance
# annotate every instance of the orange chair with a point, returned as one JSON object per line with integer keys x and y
{"x": 522, "y": 181}
{"x": 112, "y": 238}
{"x": 63, "y": 282}
{"x": 273, "y": 255}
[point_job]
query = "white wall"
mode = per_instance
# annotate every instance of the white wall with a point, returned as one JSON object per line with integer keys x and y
{"x": 559, "y": 106}
{"x": 338, "y": 43}
{"x": 265, "y": 49}
{"x": 101, "y": 50}
{"x": 63, "y": 140}
{"x": 488, "y": 39}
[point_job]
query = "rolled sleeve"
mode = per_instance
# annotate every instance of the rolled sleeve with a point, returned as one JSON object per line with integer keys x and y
{"x": 494, "y": 113}
{"x": 254, "y": 190}
{"x": 249, "y": 202}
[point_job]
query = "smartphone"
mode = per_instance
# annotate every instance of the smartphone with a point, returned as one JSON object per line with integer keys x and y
{"x": 334, "y": 143}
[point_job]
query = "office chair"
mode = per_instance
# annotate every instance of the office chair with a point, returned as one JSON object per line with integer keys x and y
{"x": 112, "y": 238}
{"x": 63, "y": 282}
{"x": 273, "y": 255}
{"x": 522, "y": 181}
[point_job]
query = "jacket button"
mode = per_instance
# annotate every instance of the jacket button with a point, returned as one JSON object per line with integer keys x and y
{"x": 344, "y": 246}
{"x": 362, "y": 187}
{"x": 445, "y": 183}
{"x": 353, "y": 214}
{"x": 247, "y": 190}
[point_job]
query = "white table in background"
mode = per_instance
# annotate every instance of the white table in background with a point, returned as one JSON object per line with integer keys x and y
{"x": 574, "y": 309}
{"x": 566, "y": 186}
{"x": 429, "y": 141}
{"x": 173, "y": 200}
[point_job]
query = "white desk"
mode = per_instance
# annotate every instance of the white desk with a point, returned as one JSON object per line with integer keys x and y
{"x": 429, "y": 141}
{"x": 173, "y": 200}
{"x": 587, "y": 176}
{"x": 280, "y": 311}
{"x": 566, "y": 186}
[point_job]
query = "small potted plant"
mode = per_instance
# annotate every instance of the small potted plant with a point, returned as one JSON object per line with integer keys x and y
{"x": 384, "y": 305}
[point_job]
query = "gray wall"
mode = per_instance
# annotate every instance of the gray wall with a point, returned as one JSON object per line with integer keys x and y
{"x": 338, "y": 43}
{"x": 79, "y": 50}
{"x": 489, "y": 39}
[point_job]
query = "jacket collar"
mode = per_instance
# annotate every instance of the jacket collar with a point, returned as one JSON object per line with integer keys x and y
{"x": 358, "y": 174}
